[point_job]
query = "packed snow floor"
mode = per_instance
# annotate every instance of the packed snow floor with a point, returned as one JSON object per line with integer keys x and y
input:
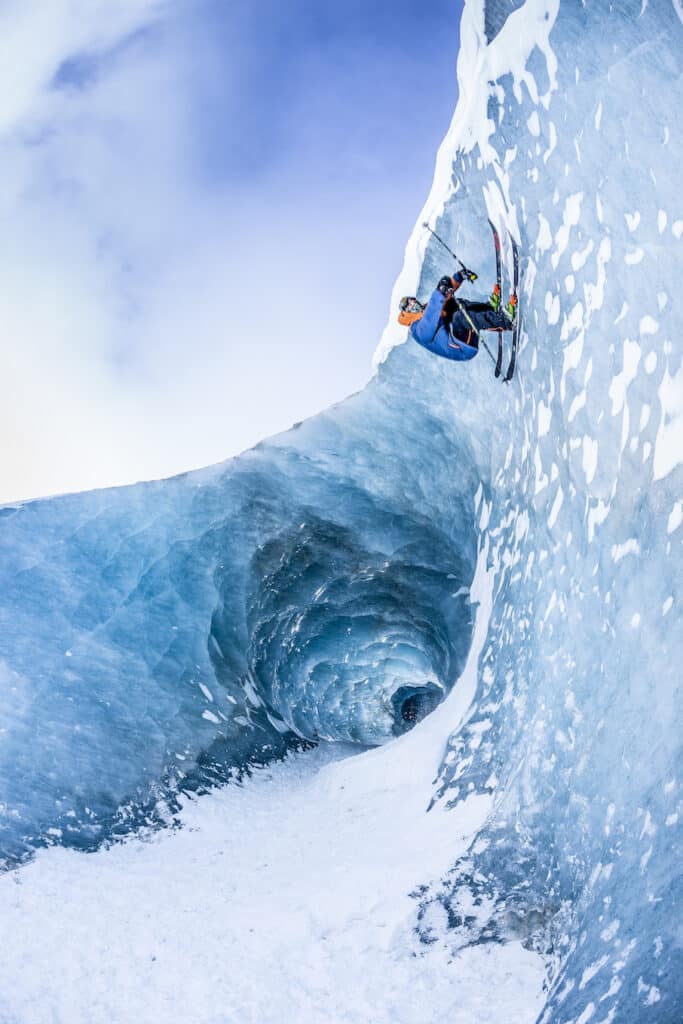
{"x": 284, "y": 899}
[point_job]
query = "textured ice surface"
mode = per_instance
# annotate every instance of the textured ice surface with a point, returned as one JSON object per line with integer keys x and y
{"x": 156, "y": 637}
{"x": 575, "y": 730}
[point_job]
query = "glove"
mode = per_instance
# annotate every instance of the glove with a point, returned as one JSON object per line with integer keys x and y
{"x": 447, "y": 285}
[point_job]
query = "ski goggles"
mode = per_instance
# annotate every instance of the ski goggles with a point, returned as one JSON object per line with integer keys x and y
{"x": 409, "y": 304}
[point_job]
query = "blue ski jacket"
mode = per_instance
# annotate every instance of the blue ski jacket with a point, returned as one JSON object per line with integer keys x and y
{"x": 431, "y": 332}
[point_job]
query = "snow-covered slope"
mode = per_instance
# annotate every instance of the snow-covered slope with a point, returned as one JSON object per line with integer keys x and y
{"x": 157, "y": 638}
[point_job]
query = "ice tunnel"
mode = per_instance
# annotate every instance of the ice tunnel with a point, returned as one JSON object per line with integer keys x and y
{"x": 317, "y": 588}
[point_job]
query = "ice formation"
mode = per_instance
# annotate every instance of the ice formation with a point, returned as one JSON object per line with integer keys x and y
{"x": 161, "y": 636}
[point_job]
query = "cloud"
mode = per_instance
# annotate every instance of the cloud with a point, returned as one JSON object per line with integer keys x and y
{"x": 196, "y": 205}
{"x": 66, "y": 290}
{"x": 147, "y": 318}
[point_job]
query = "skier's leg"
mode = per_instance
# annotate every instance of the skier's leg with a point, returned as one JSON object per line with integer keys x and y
{"x": 477, "y": 307}
{"x": 463, "y": 338}
{"x": 488, "y": 319}
{"x": 460, "y": 327}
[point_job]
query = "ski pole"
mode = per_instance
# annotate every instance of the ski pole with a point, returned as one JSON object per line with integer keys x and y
{"x": 470, "y": 274}
{"x": 494, "y": 361}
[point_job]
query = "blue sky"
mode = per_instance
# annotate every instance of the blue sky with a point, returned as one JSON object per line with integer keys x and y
{"x": 206, "y": 205}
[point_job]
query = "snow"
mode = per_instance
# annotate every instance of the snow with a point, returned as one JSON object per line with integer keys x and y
{"x": 648, "y": 325}
{"x": 675, "y": 517}
{"x": 545, "y": 238}
{"x": 552, "y": 308}
{"x": 669, "y": 442}
{"x": 620, "y": 383}
{"x": 287, "y": 897}
{"x": 629, "y": 547}
{"x": 570, "y": 218}
{"x": 580, "y": 256}
{"x": 590, "y": 458}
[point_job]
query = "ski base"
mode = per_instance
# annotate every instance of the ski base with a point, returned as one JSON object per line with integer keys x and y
{"x": 518, "y": 316}
{"x": 496, "y": 245}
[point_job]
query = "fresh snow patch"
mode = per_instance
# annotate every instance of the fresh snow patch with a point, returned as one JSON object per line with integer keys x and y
{"x": 620, "y": 383}
{"x": 545, "y": 238}
{"x": 590, "y": 457}
{"x": 669, "y": 443}
{"x": 580, "y": 256}
{"x": 619, "y": 551}
{"x": 622, "y": 313}
{"x": 283, "y": 899}
{"x": 648, "y": 325}
{"x": 675, "y": 517}
{"x": 634, "y": 257}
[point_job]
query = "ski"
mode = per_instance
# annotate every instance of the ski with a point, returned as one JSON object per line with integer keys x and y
{"x": 496, "y": 245}
{"x": 515, "y": 330}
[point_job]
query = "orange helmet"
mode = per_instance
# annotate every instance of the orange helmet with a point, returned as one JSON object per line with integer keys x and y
{"x": 411, "y": 309}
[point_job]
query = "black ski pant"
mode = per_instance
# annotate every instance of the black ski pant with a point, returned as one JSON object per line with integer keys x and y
{"x": 482, "y": 316}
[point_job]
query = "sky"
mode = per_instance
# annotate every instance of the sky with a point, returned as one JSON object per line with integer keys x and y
{"x": 203, "y": 207}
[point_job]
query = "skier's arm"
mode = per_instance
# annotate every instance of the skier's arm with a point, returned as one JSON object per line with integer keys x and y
{"x": 448, "y": 285}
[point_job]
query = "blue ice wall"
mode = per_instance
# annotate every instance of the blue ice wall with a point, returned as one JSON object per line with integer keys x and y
{"x": 162, "y": 636}
{"x": 576, "y": 729}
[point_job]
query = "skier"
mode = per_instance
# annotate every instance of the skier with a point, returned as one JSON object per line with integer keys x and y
{"x": 450, "y": 327}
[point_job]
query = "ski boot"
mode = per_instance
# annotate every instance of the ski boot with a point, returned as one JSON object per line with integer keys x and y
{"x": 494, "y": 298}
{"x": 511, "y": 308}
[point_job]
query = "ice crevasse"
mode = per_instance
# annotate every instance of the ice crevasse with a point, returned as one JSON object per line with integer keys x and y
{"x": 160, "y": 637}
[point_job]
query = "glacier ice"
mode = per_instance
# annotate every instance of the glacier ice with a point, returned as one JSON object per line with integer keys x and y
{"x": 160, "y": 637}
{"x": 163, "y": 635}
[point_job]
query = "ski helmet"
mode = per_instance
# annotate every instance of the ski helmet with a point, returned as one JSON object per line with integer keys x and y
{"x": 409, "y": 304}
{"x": 411, "y": 309}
